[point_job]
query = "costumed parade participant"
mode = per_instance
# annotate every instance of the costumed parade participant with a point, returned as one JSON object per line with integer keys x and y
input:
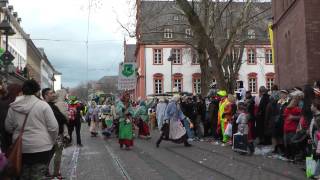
{"x": 160, "y": 112}
{"x": 74, "y": 109}
{"x": 107, "y": 117}
{"x": 124, "y": 112}
{"x": 143, "y": 119}
{"x": 173, "y": 129}
{"x": 222, "y": 122}
{"x": 93, "y": 114}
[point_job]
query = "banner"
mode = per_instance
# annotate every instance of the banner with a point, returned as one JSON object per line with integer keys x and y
{"x": 127, "y": 76}
{"x": 271, "y": 40}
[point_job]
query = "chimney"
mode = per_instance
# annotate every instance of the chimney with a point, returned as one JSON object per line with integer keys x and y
{"x": 10, "y": 8}
{"x": 19, "y": 20}
{"x": 3, "y": 3}
{"x": 15, "y": 14}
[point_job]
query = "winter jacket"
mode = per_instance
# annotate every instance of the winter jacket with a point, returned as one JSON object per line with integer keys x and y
{"x": 290, "y": 125}
{"x": 62, "y": 120}
{"x": 41, "y": 129}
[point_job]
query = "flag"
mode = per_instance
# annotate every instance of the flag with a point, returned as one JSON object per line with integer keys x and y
{"x": 271, "y": 40}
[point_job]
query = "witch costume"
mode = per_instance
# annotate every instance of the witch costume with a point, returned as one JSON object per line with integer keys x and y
{"x": 173, "y": 129}
{"x": 125, "y": 123}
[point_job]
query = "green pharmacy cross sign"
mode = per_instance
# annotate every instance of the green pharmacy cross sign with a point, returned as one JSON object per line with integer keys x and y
{"x": 127, "y": 76}
{"x": 7, "y": 58}
{"x": 128, "y": 70}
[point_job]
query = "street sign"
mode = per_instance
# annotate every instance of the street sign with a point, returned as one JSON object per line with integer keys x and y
{"x": 127, "y": 76}
{"x": 7, "y": 57}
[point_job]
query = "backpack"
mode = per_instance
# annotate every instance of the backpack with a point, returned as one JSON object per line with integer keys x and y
{"x": 72, "y": 111}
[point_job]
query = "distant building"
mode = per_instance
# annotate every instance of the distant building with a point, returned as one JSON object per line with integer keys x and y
{"x": 57, "y": 84}
{"x": 163, "y": 31}
{"x": 34, "y": 59}
{"x": 47, "y": 71}
{"x": 296, "y": 25}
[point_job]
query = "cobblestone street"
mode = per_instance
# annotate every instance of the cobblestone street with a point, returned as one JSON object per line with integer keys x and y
{"x": 103, "y": 159}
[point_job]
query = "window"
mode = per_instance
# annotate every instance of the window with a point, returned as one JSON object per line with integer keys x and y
{"x": 188, "y": 33}
{"x": 158, "y": 83}
{"x": 178, "y": 81}
{"x": 251, "y": 53}
{"x": 195, "y": 57}
{"x": 176, "y": 54}
{"x": 251, "y": 34}
{"x": 252, "y": 82}
{"x": 196, "y": 82}
{"x": 268, "y": 55}
{"x": 157, "y": 56}
{"x": 168, "y": 33}
{"x": 176, "y": 18}
{"x": 270, "y": 80}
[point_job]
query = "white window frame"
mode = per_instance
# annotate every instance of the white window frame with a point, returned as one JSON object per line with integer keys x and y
{"x": 197, "y": 85}
{"x": 252, "y": 82}
{"x": 177, "y": 83}
{"x": 176, "y": 53}
{"x": 268, "y": 55}
{"x": 158, "y": 86}
{"x": 168, "y": 33}
{"x": 251, "y": 56}
{"x": 269, "y": 82}
{"x": 157, "y": 56}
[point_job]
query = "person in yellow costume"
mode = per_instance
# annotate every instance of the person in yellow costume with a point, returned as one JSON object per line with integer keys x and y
{"x": 222, "y": 120}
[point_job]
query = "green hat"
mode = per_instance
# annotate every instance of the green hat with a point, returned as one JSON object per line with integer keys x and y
{"x": 222, "y": 93}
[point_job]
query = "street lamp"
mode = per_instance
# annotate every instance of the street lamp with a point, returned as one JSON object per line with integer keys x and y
{"x": 170, "y": 59}
{"x": 6, "y": 57}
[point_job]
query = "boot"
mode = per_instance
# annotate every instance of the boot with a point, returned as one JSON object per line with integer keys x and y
{"x": 251, "y": 147}
{"x": 186, "y": 144}
{"x": 158, "y": 142}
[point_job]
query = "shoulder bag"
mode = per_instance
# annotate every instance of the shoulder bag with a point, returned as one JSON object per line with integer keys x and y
{"x": 14, "y": 154}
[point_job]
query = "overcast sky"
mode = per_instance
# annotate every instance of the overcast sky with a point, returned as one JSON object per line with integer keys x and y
{"x": 67, "y": 20}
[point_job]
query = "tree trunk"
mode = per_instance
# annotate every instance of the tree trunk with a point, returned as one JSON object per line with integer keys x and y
{"x": 205, "y": 77}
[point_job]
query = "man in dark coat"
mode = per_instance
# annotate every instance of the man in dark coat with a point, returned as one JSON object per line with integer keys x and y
{"x": 261, "y": 115}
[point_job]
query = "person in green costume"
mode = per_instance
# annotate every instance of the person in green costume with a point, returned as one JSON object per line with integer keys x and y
{"x": 143, "y": 119}
{"x": 124, "y": 112}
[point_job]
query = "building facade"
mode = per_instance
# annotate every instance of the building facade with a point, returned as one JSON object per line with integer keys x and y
{"x": 47, "y": 71}
{"x": 34, "y": 58}
{"x": 17, "y": 46}
{"x": 57, "y": 84}
{"x": 165, "y": 60}
{"x": 296, "y": 25}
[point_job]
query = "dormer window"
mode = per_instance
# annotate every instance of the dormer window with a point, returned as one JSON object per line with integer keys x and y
{"x": 251, "y": 34}
{"x": 168, "y": 33}
{"x": 188, "y": 33}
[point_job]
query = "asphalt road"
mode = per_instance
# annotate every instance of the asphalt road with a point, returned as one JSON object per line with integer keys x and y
{"x": 101, "y": 159}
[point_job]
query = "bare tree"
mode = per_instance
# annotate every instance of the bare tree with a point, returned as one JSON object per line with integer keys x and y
{"x": 220, "y": 32}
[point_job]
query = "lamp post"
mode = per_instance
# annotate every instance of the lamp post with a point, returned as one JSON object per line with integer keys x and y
{"x": 170, "y": 59}
{"x": 6, "y": 57}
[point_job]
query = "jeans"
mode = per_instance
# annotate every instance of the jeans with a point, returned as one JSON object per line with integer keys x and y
{"x": 188, "y": 129}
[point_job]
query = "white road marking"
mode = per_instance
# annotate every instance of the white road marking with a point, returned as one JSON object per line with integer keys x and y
{"x": 74, "y": 163}
{"x": 118, "y": 164}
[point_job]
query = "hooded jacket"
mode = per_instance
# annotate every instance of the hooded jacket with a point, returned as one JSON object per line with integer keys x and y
{"x": 41, "y": 129}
